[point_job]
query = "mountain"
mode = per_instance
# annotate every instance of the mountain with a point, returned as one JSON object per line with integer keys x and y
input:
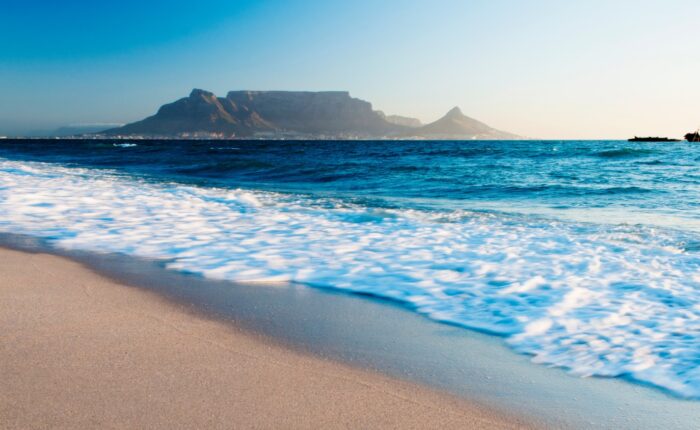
{"x": 456, "y": 125}
{"x": 265, "y": 114}
{"x": 294, "y": 114}
{"x": 404, "y": 120}
{"x": 201, "y": 112}
{"x": 328, "y": 112}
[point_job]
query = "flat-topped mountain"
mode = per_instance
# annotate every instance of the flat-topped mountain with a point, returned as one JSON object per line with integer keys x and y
{"x": 328, "y": 112}
{"x": 294, "y": 114}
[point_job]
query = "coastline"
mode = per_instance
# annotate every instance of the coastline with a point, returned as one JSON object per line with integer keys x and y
{"x": 387, "y": 339}
{"x": 81, "y": 350}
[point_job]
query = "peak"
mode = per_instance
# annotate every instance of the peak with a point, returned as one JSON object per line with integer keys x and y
{"x": 454, "y": 112}
{"x": 197, "y": 92}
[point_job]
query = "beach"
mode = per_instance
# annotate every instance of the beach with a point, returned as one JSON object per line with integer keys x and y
{"x": 568, "y": 305}
{"x": 79, "y": 350}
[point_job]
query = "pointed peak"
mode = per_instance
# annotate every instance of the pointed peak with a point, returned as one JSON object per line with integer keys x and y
{"x": 196, "y": 92}
{"x": 454, "y": 112}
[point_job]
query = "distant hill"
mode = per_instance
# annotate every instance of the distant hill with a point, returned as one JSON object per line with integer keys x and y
{"x": 404, "y": 120}
{"x": 294, "y": 114}
{"x": 456, "y": 125}
{"x": 79, "y": 129}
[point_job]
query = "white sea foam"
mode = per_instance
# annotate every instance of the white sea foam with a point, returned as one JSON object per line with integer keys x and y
{"x": 595, "y": 299}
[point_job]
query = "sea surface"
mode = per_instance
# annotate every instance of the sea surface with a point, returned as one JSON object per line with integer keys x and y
{"x": 584, "y": 255}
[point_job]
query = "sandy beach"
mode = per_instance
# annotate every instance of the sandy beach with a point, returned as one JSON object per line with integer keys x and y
{"x": 78, "y": 350}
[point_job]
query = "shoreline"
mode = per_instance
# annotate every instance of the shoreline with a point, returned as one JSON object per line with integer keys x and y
{"x": 79, "y": 349}
{"x": 386, "y": 339}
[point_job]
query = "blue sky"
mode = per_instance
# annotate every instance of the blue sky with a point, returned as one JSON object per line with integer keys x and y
{"x": 541, "y": 68}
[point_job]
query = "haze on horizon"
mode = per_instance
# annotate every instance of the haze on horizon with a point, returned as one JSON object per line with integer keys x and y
{"x": 542, "y": 68}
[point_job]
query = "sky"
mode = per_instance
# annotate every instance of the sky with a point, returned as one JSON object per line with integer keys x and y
{"x": 549, "y": 69}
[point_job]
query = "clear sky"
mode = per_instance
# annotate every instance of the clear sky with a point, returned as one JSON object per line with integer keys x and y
{"x": 540, "y": 68}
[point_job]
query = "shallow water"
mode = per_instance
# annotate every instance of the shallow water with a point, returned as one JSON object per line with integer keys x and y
{"x": 387, "y": 337}
{"x": 583, "y": 255}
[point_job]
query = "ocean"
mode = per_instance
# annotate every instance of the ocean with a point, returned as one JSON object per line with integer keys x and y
{"x": 584, "y": 255}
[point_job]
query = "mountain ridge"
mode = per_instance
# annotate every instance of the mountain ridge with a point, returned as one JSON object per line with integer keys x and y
{"x": 456, "y": 125}
{"x": 295, "y": 114}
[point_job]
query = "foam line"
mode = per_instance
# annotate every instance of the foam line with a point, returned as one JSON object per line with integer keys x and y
{"x": 595, "y": 299}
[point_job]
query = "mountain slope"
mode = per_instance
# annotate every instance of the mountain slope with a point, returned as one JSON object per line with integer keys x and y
{"x": 327, "y": 112}
{"x": 80, "y": 129}
{"x": 247, "y": 113}
{"x": 456, "y": 125}
{"x": 202, "y": 111}
{"x": 404, "y": 120}
{"x": 295, "y": 114}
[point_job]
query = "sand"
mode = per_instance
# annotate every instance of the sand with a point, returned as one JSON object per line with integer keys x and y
{"x": 78, "y": 350}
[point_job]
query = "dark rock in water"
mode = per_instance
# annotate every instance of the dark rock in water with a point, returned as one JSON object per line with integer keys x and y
{"x": 652, "y": 139}
{"x": 693, "y": 137}
{"x": 294, "y": 114}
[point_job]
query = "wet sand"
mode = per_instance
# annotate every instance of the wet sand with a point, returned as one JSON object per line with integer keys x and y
{"x": 78, "y": 350}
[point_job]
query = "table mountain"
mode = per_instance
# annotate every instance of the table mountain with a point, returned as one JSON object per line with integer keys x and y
{"x": 294, "y": 114}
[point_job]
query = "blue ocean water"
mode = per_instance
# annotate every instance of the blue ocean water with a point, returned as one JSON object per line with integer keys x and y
{"x": 583, "y": 254}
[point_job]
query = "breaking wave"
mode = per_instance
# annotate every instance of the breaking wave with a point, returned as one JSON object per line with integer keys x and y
{"x": 596, "y": 299}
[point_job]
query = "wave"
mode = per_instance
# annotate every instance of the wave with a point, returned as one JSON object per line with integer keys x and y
{"x": 221, "y": 168}
{"x": 552, "y": 190}
{"x": 624, "y": 152}
{"x": 653, "y": 163}
{"x": 574, "y": 174}
{"x": 594, "y": 299}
